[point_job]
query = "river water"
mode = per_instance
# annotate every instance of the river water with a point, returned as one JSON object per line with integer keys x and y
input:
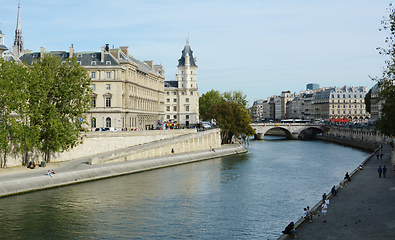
{"x": 248, "y": 196}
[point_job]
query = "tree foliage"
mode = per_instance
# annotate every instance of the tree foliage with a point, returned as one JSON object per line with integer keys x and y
{"x": 42, "y": 106}
{"x": 207, "y": 100}
{"x": 232, "y": 119}
{"x": 386, "y": 123}
{"x": 367, "y": 100}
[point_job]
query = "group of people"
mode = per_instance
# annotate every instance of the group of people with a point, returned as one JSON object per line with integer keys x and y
{"x": 50, "y": 173}
{"x": 307, "y": 214}
{"x": 382, "y": 171}
{"x": 31, "y": 165}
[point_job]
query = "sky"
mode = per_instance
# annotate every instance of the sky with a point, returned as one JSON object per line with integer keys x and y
{"x": 259, "y": 47}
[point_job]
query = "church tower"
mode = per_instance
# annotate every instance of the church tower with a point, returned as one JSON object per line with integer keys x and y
{"x": 18, "y": 32}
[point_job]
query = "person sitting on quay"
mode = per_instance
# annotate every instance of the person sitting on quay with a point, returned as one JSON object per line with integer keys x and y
{"x": 306, "y": 214}
{"x": 290, "y": 229}
{"x": 347, "y": 177}
{"x": 53, "y": 172}
{"x": 334, "y": 191}
{"x": 49, "y": 173}
{"x": 310, "y": 214}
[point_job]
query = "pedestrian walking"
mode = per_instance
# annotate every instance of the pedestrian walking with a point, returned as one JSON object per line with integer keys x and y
{"x": 334, "y": 191}
{"x": 377, "y": 154}
{"x": 381, "y": 154}
{"x": 172, "y": 151}
{"x": 324, "y": 208}
{"x": 384, "y": 171}
{"x": 380, "y": 170}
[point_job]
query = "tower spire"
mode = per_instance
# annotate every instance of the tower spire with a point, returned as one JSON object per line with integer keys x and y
{"x": 18, "y": 32}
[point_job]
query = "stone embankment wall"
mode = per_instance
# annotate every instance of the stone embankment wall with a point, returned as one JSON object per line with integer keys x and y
{"x": 199, "y": 141}
{"x": 95, "y": 172}
{"x": 102, "y": 142}
{"x": 361, "y": 134}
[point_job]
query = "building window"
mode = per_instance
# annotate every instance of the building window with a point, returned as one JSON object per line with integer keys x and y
{"x": 175, "y": 100}
{"x": 93, "y": 55}
{"x": 79, "y": 55}
{"x": 168, "y": 93}
{"x": 108, "y": 62}
{"x": 168, "y": 116}
{"x": 93, "y": 122}
{"x": 187, "y": 100}
{"x": 93, "y": 102}
{"x": 191, "y": 72}
{"x": 168, "y": 100}
{"x": 93, "y": 86}
{"x": 168, "y": 108}
{"x": 93, "y": 75}
{"x": 108, "y": 86}
{"x": 191, "y": 93}
{"x": 182, "y": 93}
{"x": 187, "y": 108}
{"x": 175, "y": 116}
{"x": 93, "y": 63}
{"x": 186, "y": 116}
{"x": 174, "y": 108}
{"x": 174, "y": 93}
{"x": 108, "y": 75}
{"x": 108, "y": 122}
{"x": 108, "y": 101}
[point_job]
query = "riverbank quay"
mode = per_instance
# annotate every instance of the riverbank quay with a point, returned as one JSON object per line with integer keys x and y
{"x": 21, "y": 179}
{"x": 362, "y": 209}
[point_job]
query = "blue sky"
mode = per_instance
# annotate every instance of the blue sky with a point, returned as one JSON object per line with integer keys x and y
{"x": 260, "y": 47}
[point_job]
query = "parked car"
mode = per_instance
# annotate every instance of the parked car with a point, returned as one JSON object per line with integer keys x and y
{"x": 110, "y": 129}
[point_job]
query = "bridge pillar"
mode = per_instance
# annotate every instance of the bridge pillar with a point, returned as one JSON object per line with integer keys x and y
{"x": 294, "y": 136}
{"x": 258, "y": 136}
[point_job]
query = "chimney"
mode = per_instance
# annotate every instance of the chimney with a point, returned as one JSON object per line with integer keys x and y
{"x": 125, "y": 50}
{"x": 15, "y": 50}
{"x": 102, "y": 54}
{"x": 42, "y": 51}
{"x": 115, "y": 53}
{"x": 71, "y": 49}
{"x": 149, "y": 63}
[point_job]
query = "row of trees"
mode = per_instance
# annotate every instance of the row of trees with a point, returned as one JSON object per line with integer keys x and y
{"x": 42, "y": 106}
{"x": 386, "y": 123}
{"x": 229, "y": 109}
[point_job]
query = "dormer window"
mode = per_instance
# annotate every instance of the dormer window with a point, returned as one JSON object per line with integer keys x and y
{"x": 79, "y": 62}
{"x": 93, "y": 63}
{"x": 64, "y": 55}
{"x": 94, "y": 55}
{"x": 79, "y": 55}
{"x": 108, "y": 62}
{"x": 35, "y": 55}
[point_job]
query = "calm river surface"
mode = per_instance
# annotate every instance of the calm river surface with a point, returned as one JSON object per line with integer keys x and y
{"x": 248, "y": 196}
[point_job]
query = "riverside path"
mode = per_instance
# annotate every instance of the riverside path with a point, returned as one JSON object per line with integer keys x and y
{"x": 363, "y": 209}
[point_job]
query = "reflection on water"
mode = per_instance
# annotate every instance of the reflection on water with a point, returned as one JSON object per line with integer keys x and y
{"x": 253, "y": 195}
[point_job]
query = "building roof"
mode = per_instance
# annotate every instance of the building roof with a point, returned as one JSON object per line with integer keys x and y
{"x": 187, "y": 52}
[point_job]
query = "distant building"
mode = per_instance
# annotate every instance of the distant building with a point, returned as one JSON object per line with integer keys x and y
{"x": 340, "y": 104}
{"x": 181, "y": 95}
{"x": 3, "y": 48}
{"x": 312, "y": 86}
{"x": 375, "y": 103}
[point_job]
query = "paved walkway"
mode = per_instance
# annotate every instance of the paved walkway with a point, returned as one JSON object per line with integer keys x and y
{"x": 363, "y": 209}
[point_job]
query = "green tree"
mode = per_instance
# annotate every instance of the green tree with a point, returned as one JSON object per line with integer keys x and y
{"x": 232, "y": 119}
{"x": 386, "y": 123}
{"x": 367, "y": 100}
{"x": 236, "y": 97}
{"x": 60, "y": 96}
{"x": 206, "y": 101}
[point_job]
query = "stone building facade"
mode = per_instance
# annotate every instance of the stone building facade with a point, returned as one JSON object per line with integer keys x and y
{"x": 127, "y": 93}
{"x": 182, "y": 96}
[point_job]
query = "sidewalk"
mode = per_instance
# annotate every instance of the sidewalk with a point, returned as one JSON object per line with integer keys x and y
{"x": 363, "y": 209}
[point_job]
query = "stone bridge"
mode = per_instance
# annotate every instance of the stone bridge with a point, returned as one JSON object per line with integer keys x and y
{"x": 291, "y": 130}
